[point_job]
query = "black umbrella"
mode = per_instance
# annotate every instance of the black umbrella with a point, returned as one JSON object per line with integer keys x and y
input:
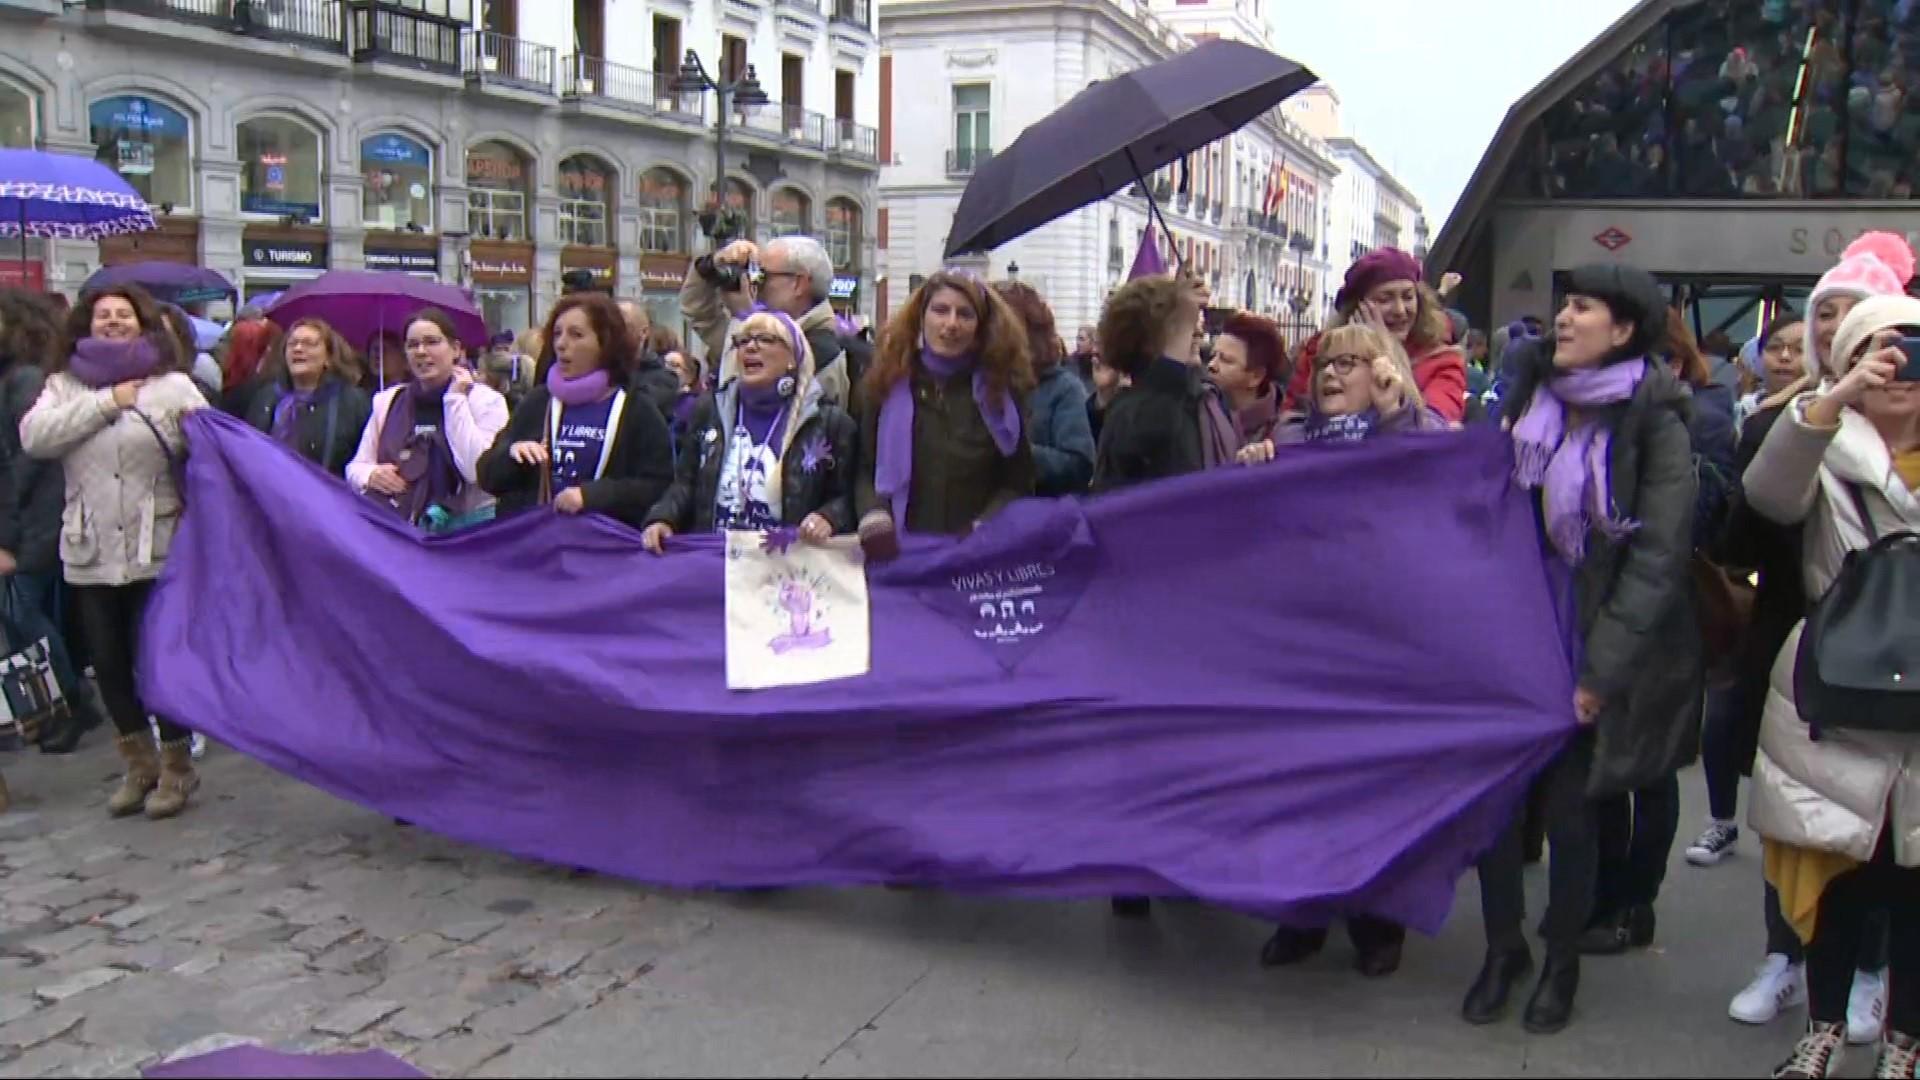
{"x": 1114, "y": 133}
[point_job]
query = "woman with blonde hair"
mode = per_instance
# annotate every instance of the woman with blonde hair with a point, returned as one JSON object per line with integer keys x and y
{"x": 1362, "y": 385}
{"x": 943, "y": 436}
{"x": 310, "y": 399}
{"x": 764, "y": 451}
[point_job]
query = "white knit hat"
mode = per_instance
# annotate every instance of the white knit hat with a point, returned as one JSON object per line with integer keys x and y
{"x": 1876, "y": 264}
{"x": 1869, "y": 317}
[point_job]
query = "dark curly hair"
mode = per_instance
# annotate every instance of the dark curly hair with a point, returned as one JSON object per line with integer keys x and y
{"x": 1133, "y": 325}
{"x": 145, "y": 311}
{"x": 29, "y": 328}
{"x": 1001, "y": 340}
{"x": 1044, "y": 346}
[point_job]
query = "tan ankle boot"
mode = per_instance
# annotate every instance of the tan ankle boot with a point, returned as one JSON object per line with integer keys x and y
{"x": 143, "y": 773}
{"x": 177, "y": 780}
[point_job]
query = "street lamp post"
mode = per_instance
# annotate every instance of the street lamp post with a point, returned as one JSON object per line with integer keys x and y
{"x": 744, "y": 91}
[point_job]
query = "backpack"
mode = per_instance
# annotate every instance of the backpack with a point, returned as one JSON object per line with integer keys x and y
{"x": 1858, "y": 665}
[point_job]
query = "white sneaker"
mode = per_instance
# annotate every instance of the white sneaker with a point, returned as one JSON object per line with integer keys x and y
{"x": 1867, "y": 1007}
{"x": 1778, "y": 985}
{"x": 1715, "y": 843}
{"x": 199, "y": 746}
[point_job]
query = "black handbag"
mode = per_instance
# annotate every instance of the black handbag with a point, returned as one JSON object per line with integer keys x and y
{"x": 1858, "y": 666}
{"x": 31, "y": 701}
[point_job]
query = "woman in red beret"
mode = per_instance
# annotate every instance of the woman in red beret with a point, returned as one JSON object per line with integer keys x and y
{"x": 1385, "y": 287}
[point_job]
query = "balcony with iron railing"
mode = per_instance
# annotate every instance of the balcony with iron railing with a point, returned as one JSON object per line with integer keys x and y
{"x": 386, "y": 32}
{"x": 854, "y": 13}
{"x": 962, "y": 160}
{"x": 804, "y": 127}
{"x": 304, "y": 22}
{"x": 496, "y": 59}
{"x": 604, "y": 80}
{"x": 856, "y": 141}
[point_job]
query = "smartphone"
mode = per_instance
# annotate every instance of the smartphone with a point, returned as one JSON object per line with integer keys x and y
{"x": 1910, "y": 371}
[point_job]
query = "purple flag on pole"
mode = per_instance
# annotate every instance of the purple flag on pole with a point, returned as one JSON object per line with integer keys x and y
{"x": 1147, "y": 262}
{"x": 1300, "y": 690}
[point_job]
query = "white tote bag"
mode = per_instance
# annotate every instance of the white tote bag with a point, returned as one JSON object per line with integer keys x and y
{"x": 796, "y": 614}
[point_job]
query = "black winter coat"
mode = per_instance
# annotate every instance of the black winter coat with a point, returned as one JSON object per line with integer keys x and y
{"x": 1634, "y": 597}
{"x": 328, "y": 434}
{"x": 639, "y": 464}
{"x": 33, "y": 492}
{"x": 827, "y": 488}
{"x": 1152, "y": 429}
{"x": 656, "y": 382}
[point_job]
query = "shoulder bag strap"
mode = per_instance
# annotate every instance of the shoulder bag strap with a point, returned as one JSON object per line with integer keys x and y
{"x": 1866, "y": 513}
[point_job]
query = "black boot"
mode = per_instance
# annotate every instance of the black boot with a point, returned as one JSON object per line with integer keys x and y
{"x": 1132, "y": 907}
{"x": 1290, "y": 945}
{"x": 1551, "y": 1008}
{"x": 1606, "y": 937}
{"x": 1487, "y": 999}
{"x": 1640, "y": 925}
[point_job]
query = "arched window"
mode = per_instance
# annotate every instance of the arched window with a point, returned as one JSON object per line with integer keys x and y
{"x": 496, "y": 192}
{"x": 740, "y": 198}
{"x": 19, "y": 117}
{"x": 147, "y": 142}
{"x": 663, "y": 211}
{"x": 790, "y": 213}
{"x": 280, "y": 166}
{"x": 397, "y": 177}
{"x": 843, "y": 236}
{"x": 586, "y": 186}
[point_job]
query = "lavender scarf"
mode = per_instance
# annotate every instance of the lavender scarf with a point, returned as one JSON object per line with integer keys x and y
{"x": 585, "y": 390}
{"x": 101, "y": 363}
{"x": 1570, "y": 467}
{"x": 425, "y": 463}
{"x": 286, "y": 411}
{"x": 893, "y": 455}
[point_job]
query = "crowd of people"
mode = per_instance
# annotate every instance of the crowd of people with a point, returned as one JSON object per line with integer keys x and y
{"x": 1665, "y": 480}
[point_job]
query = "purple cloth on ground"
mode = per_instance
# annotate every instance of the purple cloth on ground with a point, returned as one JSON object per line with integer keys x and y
{"x": 248, "y": 1062}
{"x": 1345, "y": 747}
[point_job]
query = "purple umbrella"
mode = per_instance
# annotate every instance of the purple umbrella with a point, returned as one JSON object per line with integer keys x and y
{"x": 175, "y": 283}
{"x": 1114, "y": 133}
{"x": 61, "y": 196}
{"x": 1147, "y": 262}
{"x": 364, "y": 304}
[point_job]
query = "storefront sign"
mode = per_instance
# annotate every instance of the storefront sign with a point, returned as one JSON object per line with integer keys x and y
{"x": 410, "y": 262}
{"x": 500, "y": 268}
{"x": 843, "y": 288}
{"x": 393, "y": 150}
{"x": 500, "y": 262}
{"x": 663, "y": 273}
{"x": 31, "y": 275}
{"x": 286, "y": 254}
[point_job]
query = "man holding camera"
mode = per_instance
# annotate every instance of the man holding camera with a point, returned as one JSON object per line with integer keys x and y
{"x": 795, "y": 276}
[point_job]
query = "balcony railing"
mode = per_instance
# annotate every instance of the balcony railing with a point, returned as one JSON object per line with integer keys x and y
{"x": 856, "y": 140}
{"x": 496, "y": 58}
{"x": 387, "y": 32}
{"x": 592, "y": 77}
{"x": 962, "y": 160}
{"x": 667, "y": 101}
{"x": 804, "y": 5}
{"x": 306, "y": 22}
{"x": 804, "y": 127}
{"x": 856, "y": 12}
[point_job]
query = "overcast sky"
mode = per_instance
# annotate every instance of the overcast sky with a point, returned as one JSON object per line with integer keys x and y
{"x": 1424, "y": 84}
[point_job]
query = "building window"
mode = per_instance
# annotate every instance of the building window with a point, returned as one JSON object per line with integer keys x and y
{"x": 496, "y": 192}
{"x": 663, "y": 211}
{"x": 843, "y": 235}
{"x": 148, "y": 143}
{"x": 733, "y": 58}
{"x": 279, "y": 167}
{"x": 586, "y": 201}
{"x": 397, "y": 183}
{"x": 843, "y": 95}
{"x": 790, "y": 214}
{"x": 740, "y": 198}
{"x": 19, "y": 118}
{"x": 972, "y": 122}
{"x": 666, "y": 44}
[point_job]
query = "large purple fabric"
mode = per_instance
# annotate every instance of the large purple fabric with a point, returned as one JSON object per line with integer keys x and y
{"x": 1308, "y": 688}
{"x": 260, "y": 1063}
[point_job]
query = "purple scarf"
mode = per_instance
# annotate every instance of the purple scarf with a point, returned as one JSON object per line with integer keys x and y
{"x": 101, "y": 363}
{"x": 286, "y": 411}
{"x": 893, "y": 456}
{"x": 426, "y": 463}
{"x": 585, "y": 390}
{"x": 1571, "y": 466}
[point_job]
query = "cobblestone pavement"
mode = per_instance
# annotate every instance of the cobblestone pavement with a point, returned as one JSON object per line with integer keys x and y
{"x": 275, "y": 913}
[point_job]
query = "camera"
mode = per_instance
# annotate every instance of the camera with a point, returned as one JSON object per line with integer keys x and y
{"x": 725, "y": 277}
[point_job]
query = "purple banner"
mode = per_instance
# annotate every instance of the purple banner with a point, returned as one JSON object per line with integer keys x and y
{"x": 1309, "y": 688}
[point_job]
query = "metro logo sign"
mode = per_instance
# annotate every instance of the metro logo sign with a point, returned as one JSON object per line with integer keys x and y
{"x": 1613, "y": 238}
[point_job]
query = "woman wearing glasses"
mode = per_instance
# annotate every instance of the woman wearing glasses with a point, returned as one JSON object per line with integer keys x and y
{"x": 765, "y": 450}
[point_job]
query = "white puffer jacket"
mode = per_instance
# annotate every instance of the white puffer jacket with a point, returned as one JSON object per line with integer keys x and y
{"x": 1836, "y": 794}
{"x": 122, "y": 505}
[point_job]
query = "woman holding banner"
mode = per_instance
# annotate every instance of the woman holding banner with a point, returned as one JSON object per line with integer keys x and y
{"x": 1601, "y": 436}
{"x": 577, "y": 442}
{"x": 311, "y": 401}
{"x": 110, "y": 413}
{"x": 943, "y": 439}
{"x": 764, "y": 451}
{"x": 422, "y": 445}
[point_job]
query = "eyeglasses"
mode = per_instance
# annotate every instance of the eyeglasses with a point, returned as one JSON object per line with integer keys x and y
{"x": 1342, "y": 365}
{"x": 1783, "y": 346}
{"x": 764, "y": 340}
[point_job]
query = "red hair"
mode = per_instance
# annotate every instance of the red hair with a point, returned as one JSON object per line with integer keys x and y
{"x": 248, "y": 343}
{"x": 1266, "y": 349}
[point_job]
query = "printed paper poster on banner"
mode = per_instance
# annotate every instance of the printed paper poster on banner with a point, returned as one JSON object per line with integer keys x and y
{"x": 796, "y": 612}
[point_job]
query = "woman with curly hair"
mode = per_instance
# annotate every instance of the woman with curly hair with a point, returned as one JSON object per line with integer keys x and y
{"x": 1385, "y": 288}
{"x": 1061, "y": 434}
{"x": 310, "y": 399}
{"x": 1172, "y": 420}
{"x": 944, "y": 444}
